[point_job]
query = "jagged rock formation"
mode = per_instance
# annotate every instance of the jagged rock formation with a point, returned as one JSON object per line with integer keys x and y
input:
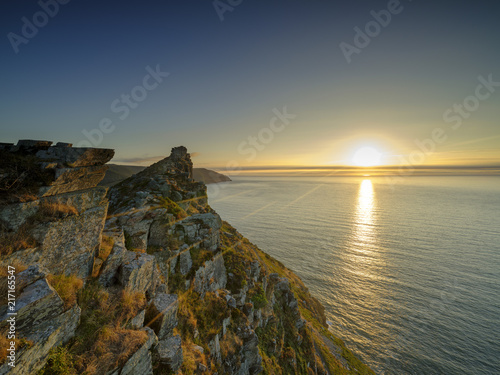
{"x": 118, "y": 173}
{"x": 51, "y": 219}
{"x": 166, "y": 286}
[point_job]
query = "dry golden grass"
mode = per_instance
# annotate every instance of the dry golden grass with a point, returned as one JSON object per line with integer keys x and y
{"x": 49, "y": 211}
{"x": 5, "y": 344}
{"x": 17, "y": 264}
{"x": 102, "y": 342}
{"x": 15, "y": 241}
{"x": 113, "y": 347}
{"x": 191, "y": 357}
{"x": 67, "y": 287}
{"x": 230, "y": 344}
{"x": 187, "y": 319}
{"x": 129, "y": 306}
{"x": 28, "y": 197}
{"x": 107, "y": 244}
{"x": 22, "y": 239}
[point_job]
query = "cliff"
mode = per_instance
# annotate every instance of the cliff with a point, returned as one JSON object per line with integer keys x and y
{"x": 145, "y": 278}
{"x": 118, "y": 173}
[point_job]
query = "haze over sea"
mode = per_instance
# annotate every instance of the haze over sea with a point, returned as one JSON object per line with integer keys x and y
{"x": 409, "y": 273}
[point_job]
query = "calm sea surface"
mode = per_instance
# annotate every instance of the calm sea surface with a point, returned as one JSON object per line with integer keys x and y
{"x": 409, "y": 274}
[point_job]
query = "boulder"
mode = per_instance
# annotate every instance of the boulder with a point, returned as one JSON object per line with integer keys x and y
{"x": 212, "y": 276}
{"x": 162, "y": 314}
{"x": 185, "y": 262}
{"x": 141, "y": 362}
{"x": 45, "y": 336}
{"x": 66, "y": 246}
{"x": 139, "y": 274}
{"x": 214, "y": 347}
{"x": 76, "y": 156}
{"x": 37, "y": 303}
{"x": 137, "y": 321}
{"x": 73, "y": 179}
{"x": 14, "y": 215}
{"x": 169, "y": 353}
{"x": 201, "y": 228}
{"x": 119, "y": 254}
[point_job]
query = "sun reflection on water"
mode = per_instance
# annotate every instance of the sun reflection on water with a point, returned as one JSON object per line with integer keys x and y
{"x": 364, "y": 236}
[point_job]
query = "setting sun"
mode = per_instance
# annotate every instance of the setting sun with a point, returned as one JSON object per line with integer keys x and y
{"x": 366, "y": 157}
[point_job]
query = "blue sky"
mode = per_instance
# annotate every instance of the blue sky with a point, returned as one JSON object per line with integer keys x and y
{"x": 227, "y": 78}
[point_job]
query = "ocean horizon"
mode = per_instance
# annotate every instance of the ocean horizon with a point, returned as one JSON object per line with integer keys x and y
{"x": 407, "y": 272}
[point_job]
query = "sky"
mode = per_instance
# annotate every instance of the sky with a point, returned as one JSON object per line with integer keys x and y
{"x": 247, "y": 84}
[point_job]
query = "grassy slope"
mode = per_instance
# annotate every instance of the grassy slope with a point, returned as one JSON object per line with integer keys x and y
{"x": 336, "y": 357}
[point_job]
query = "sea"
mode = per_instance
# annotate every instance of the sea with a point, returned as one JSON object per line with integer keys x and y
{"x": 409, "y": 272}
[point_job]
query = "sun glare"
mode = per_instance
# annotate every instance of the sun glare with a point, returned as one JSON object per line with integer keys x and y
{"x": 366, "y": 157}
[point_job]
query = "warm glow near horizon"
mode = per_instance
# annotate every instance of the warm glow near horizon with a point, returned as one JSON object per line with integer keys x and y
{"x": 367, "y": 157}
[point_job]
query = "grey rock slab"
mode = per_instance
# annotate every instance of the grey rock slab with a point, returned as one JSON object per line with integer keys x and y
{"x": 170, "y": 353}
{"x": 162, "y": 314}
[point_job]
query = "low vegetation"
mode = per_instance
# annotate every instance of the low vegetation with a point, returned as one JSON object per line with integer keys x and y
{"x": 107, "y": 244}
{"x": 173, "y": 208}
{"x": 12, "y": 241}
{"x": 21, "y": 176}
{"x": 102, "y": 341}
{"x": 67, "y": 287}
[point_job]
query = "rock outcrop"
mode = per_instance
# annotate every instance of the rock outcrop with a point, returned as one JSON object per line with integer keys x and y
{"x": 165, "y": 285}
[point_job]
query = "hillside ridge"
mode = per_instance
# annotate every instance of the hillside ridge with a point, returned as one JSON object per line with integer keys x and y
{"x": 145, "y": 277}
{"x": 117, "y": 173}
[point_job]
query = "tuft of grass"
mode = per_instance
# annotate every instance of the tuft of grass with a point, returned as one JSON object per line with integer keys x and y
{"x": 67, "y": 287}
{"x": 230, "y": 344}
{"x": 5, "y": 344}
{"x": 107, "y": 244}
{"x": 258, "y": 297}
{"x": 236, "y": 263}
{"x": 59, "y": 362}
{"x": 21, "y": 175}
{"x": 11, "y": 242}
{"x": 206, "y": 317}
{"x": 50, "y": 211}
{"x": 101, "y": 343}
{"x": 191, "y": 358}
{"x": 112, "y": 349}
{"x": 172, "y": 208}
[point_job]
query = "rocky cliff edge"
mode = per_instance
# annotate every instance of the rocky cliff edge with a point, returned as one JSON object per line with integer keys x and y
{"x": 144, "y": 278}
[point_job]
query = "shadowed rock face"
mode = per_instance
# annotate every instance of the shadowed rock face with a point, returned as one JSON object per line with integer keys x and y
{"x": 48, "y": 194}
{"x": 38, "y": 169}
{"x": 156, "y": 239}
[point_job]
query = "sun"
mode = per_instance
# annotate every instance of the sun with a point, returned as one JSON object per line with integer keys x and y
{"x": 366, "y": 157}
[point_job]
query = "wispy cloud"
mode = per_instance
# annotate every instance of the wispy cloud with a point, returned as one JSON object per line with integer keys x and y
{"x": 141, "y": 160}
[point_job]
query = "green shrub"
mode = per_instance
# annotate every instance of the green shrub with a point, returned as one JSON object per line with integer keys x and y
{"x": 258, "y": 297}
{"x": 60, "y": 362}
{"x": 172, "y": 208}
